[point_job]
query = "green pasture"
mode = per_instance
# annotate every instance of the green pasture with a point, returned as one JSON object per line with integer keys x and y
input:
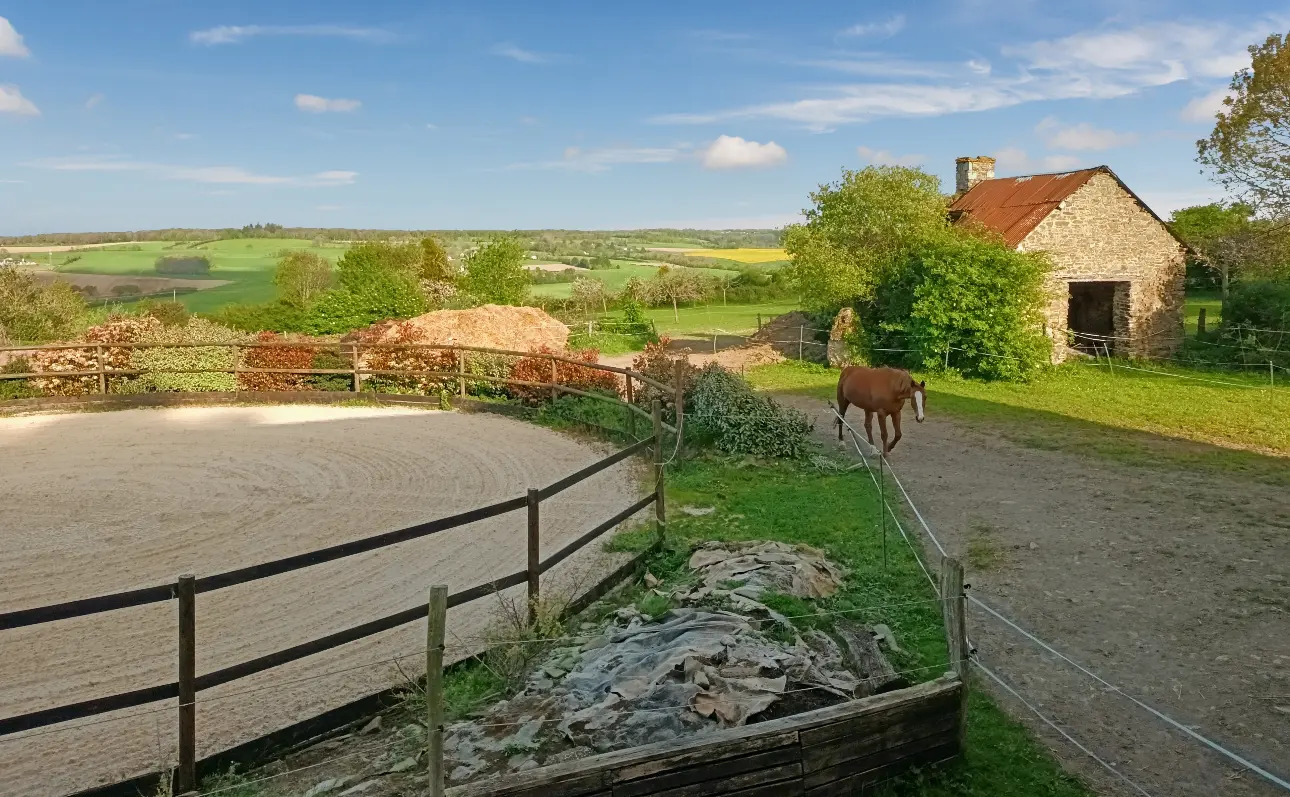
{"x": 615, "y": 278}
{"x": 1213, "y": 304}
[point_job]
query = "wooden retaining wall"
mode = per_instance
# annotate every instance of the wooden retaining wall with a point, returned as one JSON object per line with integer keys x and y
{"x": 838, "y": 750}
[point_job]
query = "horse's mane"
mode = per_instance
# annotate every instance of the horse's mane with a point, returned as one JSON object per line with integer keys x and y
{"x": 900, "y": 382}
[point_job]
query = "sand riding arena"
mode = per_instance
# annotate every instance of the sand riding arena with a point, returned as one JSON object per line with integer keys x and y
{"x": 101, "y": 503}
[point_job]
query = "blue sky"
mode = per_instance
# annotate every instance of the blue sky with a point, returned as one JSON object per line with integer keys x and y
{"x": 141, "y": 114}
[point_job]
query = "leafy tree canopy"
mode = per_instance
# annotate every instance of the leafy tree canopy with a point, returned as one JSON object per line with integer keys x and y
{"x": 495, "y": 272}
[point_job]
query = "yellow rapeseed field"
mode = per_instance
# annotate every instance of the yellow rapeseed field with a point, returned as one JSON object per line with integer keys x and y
{"x": 741, "y": 255}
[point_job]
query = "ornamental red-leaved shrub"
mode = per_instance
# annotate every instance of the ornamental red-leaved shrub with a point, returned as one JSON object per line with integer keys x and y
{"x": 277, "y": 356}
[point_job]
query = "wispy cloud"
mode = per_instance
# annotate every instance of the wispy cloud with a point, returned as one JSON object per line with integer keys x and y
{"x": 311, "y": 103}
{"x": 14, "y": 182}
{"x": 11, "y": 41}
{"x": 93, "y": 101}
{"x": 881, "y": 65}
{"x": 185, "y": 136}
{"x": 511, "y": 51}
{"x": 1082, "y": 136}
{"x": 603, "y": 159}
{"x": 883, "y": 157}
{"x": 1017, "y": 161}
{"x": 1100, "y": 64}
{"x": 1205, "y": 107}
{"x": 217, "y": 175}
{"x": 884, "y": 29}
{"x": 12, "y": 101}
{"x": 733, "y": 152}
{"x": 233, "y": 34}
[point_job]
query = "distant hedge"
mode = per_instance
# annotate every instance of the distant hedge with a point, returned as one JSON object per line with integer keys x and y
{"x": 190, "y": 265}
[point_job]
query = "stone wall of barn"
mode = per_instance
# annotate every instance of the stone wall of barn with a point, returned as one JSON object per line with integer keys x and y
{"x": 1100, "y": 233}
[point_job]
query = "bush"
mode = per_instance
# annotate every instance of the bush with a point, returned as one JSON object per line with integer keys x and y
{"x": 116, "y": 329}
{"x": 1261, "y": 305}
{"x": 17, "y": 388}
{"x": 538, "y": 369}
{"x": 973, "y": 295}
{"x": 32, "y": 312}
{"x": 277, "y": 356}
{"x": 129, "y": 289}
{"x": 660, "y": 365}
{"x": 272, "y": 317}
{"x": 187, "y": 265}
{"x": 170, "y": 314}
{"x": 325, "y": 359}
{"x": 736, "y": 419}
{"x": 345, "y": 309}
{"x": 499, "y": 366}
{"x": 408, "y": 359}
{"x": 198, "y": 330}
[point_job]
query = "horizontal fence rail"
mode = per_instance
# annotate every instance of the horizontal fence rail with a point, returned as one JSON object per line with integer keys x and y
{"x": 138, "y": 597}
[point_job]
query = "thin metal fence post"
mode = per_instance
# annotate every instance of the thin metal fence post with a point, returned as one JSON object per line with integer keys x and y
{"x": 660, "y": 506}
{"x": 801, "y": 335}
{"x": 98, "y": 355}
{"x": 1272, "y": 374}
{"x": 534, "y": 552}
{"x": 437, "y": 622}
{"x": 947, "y": 358}
{"x": 954, "y": 610}
{"x": 186, "y": 773}
{"x": 882, "y": 506}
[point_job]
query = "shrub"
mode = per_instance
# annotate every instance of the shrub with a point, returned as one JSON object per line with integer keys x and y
{"x": 499, "y": 366}
{"x": 157, "y": 361}
{"x": 277, "y": 356}
{"x": 32, "y": 312}
{"x": 325, "y": 359}
{"x": 170, "y": 314}
{"x": 1261, "y": 305}
{"x": 129, "y": 289}
{"x": 190, "y": 265}
{"x": 659, "y": 364}
{"x": 273, "y": 317}
{"x": 345, "y": 309}
{"x": 17, "y": 388}
{"x": 726, "y": 410}
{"x": 116, "y": 329}
{"x": 538, "y": 369}
{"x": 391, "y": 358}
{"x": 970, "y": 294}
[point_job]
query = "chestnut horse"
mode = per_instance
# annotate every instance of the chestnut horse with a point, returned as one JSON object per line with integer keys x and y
{"x": 882, "y": 391}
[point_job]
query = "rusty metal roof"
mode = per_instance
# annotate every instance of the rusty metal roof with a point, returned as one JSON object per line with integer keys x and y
{"x": 1013, "y": 206}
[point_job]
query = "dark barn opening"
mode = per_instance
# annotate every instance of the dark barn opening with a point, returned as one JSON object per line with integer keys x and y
{"x": 1091, "y": 316}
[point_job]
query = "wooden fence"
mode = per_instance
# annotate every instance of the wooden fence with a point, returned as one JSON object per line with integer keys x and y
{"x": 187, "y": 586}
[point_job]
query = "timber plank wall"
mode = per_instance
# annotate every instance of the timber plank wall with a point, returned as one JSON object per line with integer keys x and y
{"x": 838, "y": 750}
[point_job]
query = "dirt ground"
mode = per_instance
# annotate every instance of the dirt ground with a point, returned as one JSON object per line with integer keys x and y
{"x": 100, "y": 502}
{"x": 104, "y": 283}
{"x": 1173, "y": 586}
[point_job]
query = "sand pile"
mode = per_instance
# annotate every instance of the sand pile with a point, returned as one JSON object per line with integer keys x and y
{"x": 491, "y": 326}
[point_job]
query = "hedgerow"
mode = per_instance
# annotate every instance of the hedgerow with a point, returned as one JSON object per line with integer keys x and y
{"x": 539, "y": 369}
{"x": 156, "y": 362}
{"x": 726, "y": 411}
{"x": 275, "y": 356}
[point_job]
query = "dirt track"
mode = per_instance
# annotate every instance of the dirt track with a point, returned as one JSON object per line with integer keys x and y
{"x": 100, "y": 502}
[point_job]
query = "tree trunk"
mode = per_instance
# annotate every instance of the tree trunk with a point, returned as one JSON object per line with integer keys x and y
{"x": 676, "y": 314}
{"x": 1226, "y": 280}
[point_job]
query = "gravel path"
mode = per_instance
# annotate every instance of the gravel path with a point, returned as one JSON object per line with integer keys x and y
{"x": 1172, "y": 585}
{"x": 100, "y": 502}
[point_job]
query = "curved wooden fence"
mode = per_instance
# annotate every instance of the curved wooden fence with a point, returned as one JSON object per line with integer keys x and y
{"x": 185, "y": 588}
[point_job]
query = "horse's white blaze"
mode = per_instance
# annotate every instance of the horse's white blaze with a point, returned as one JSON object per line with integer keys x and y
{"x": 918, "y": 404}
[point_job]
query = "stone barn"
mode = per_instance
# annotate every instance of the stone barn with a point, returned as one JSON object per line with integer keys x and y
{"x": 1118, "y": 270}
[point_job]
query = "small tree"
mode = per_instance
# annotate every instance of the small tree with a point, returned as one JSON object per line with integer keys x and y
{"x": 671, "y": 285}
{"x": 302, "y": 277}
{"x": 588, "y": 293}
{"x": 495, "y": 272}
{"x": 435, "y": 265}
{"x": 31, "y": 312}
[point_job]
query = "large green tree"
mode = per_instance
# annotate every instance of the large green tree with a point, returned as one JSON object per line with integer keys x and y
{"x": 1229, "y": 243}
{"x": 1248, "y": 151}
{"x": 860, "y": 228}
{"x": 495, "y": 272}
{"x": 674, "y": 286}
{"x": 376, "y": 281}
{"x": 302, "y": 277}
{"x": 35, "y": 312}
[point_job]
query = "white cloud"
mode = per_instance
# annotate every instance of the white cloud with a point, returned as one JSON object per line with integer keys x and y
{"x": 211, "y": 175}
{"x": 1082, "y": 136}
{"x": 733, "y": 152}
{"x": 528, "y": 121}
{"x": 1204, "y": 108}
{"x": 1099, "y": 64}
{"x": 11, "y": 41}
{"x": 312, "y": 103}
{"x": 875, "y": 65}
{"x": 882, "y": 157}
{"x": 431, "y": 126}
{"x": 233, "y": 34}
{"x": 507, "y": 50}
{"x": 14, "y": 182}
{"x": 185, "y": 136}
{"x": 1015, "y": 160}
{"x": 603, "y": 159}
{"x": 884, "y": 29}
{"x": 93, "y": 101}
{"x": 12, "y": 101}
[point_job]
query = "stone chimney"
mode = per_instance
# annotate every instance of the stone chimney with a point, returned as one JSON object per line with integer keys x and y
{"x": 970, "y": 171}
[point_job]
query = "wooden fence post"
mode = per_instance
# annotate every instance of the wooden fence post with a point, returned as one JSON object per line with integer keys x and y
{"x": 555, "y": 377}
{"x": 98, "y": 355}
{"x": 631, "y": 415}
{"x": 186, "y": 773}
{"x": 233, "y": 350}
{"x": 534, "y": 548}
{"x": 678, "y": 389}
{"x": 759, "y": 322}
{"x": 461, "y": 373}
{"x": 434, "y": 686}
{"x": 358, "y": 380}
{"x": 954, "y": 608}
{"x": 660, "y": 505}
{"x": 1200, "y": 322}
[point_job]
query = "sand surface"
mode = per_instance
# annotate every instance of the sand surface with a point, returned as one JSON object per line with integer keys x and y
{"x": 94, "y": 503}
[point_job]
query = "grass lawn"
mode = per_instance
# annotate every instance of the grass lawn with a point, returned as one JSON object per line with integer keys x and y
{"x": 1213, "y": 304}
{"x": 700, "y": 319}
{"x": 246, "y": 263}
{"x": 742, "y": 255}
{"x": 838, "y": 512}
{"x": 616, "y": 278}
{"x": 1139, "y": 418}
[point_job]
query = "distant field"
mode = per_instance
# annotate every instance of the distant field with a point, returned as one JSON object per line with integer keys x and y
{"x": 702, "y": 320}
{"x": 740, "y": 255}
{"x": 245, "y": 265}
{"x": 616, "y": 278}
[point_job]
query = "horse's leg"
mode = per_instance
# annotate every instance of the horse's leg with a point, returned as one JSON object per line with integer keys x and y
{"x": 895, "y": 425}
{"x": 882, "y": 427}
{"x": 868, "y": 425}
{"x": 842, "y": 411}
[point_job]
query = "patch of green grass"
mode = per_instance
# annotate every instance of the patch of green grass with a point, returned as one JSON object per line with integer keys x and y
{"x": 615, "y": 278}
{"x": 607, "y": 342}
{"x": 1212, "y": 301}
{"x": 469, "y": 686}
{"x": 235, "y": 783}
{"x": 1141, "y": 419}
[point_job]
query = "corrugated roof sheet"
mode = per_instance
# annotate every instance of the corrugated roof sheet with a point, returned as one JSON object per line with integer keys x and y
{"x": 1013, "y": 206}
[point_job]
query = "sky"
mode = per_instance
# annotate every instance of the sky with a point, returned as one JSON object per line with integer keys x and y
{"x": 143, "y": 114}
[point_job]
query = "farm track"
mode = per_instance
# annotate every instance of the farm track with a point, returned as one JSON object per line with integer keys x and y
{"x": 96, "y": 503}
{"x": 1172, "y": 585}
